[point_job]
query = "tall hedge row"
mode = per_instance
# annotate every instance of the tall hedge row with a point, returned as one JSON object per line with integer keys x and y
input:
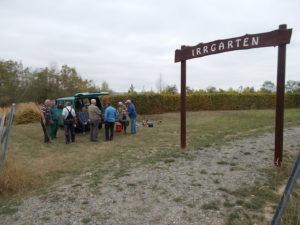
{"x": 161, "y": 103}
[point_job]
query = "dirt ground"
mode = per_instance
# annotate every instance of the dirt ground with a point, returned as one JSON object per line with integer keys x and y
{"x": 184, "y": 190}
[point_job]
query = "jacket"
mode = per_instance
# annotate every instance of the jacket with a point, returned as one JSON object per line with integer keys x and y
{"x": 94, "y": 112}
{"x": 110, "y": 114}
{"x": 132, "y": 111}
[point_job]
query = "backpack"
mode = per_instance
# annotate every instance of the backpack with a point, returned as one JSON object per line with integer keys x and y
{"x": 70, "y": 117}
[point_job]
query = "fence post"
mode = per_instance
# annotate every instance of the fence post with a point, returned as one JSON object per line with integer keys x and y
{"x": 280, "y": 101}
{"x": 5, "y": 136}
{"x": 287, "y": 192}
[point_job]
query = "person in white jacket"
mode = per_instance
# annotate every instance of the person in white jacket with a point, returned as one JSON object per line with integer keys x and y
{"x": 69, "y": 117}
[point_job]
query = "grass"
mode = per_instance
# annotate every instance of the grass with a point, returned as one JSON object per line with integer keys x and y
{"x": 35, "y": 165}
{"x": 86, "y": 220}
{"x": 292, "y": 212}
{"x": 254, "y": 199}
{"x": 213, "y": 205}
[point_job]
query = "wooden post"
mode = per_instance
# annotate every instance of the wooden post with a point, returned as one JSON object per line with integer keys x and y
{"x": 183, "y": 105}
{"x": 280, "y": 101}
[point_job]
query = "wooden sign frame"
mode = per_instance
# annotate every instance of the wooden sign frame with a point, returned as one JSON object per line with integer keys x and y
{"x": 279, "y": 37}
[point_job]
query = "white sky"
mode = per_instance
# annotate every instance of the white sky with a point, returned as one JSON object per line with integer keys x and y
{"x": 133, "y": 41}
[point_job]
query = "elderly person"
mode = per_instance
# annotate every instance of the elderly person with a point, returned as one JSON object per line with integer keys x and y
{"x": 46, "y": 120}
{"x": 83, "y": 117}
{"x": 109, "y": 119}
{"x": 55, "y": 114}
{"x": 132, "y": 115}
{"x": 95, "y": 118}
{"x": 122, "y": 116}
{"x": 69, "y": 117}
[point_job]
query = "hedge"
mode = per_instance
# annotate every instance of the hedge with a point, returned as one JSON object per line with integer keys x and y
{"x": 161, "y": 103}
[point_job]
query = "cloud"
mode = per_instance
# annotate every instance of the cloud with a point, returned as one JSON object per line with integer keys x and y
{"x": 133, "y": 41}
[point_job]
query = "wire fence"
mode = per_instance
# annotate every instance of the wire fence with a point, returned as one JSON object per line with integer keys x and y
{"x": 287, "y": 192}
{"x": 6, "y": 122}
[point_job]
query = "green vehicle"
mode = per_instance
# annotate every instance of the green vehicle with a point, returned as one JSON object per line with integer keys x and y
{"x": 81, "y": 100}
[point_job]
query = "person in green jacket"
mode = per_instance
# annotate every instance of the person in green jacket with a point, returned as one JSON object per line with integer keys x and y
{"x": 55, "y": 114}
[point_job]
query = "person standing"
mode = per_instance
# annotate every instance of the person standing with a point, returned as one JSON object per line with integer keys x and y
{"x": 95, "y": 118}
{"x": 110, "y": 116}
{"x": 55, "y": 114}
{"x": 122, "y": 117}
{"x": 83, "y": 117}
{"x": 46, "y": 120}
{"x": 69, "y": 117}
{"x": 132, "y": 115}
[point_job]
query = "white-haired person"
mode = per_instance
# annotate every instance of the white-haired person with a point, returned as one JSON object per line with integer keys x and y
{"x": 69, "y": 117}
{"x": 122, "y": 116}
{"x": 132, "y": 115}
{"x": 95, "y": 119}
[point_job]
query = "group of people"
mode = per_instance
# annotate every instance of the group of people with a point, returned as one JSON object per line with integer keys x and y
{"x": 88, "y": 118}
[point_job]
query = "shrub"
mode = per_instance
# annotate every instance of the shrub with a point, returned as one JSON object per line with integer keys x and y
{"x": 27, "y": 113}
{"x": 14, "y": 178}
{"x": 161, "y": 103}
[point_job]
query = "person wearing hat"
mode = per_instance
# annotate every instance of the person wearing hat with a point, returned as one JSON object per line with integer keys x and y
{"x": 132, "y": 115}
{"x": 122, "y": 117}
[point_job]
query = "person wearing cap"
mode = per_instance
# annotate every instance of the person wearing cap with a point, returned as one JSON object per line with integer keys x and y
{"x": 132, "y": 115}
{"x": 95, "y": 118}
{"x": 110, "y": 116}
{"x": 122, "y": 117}
{"x": 69, "y": 117}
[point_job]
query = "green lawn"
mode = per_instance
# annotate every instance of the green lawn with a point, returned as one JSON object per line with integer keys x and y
{"x": 35, "y": 165}
{"x": 48, "y": 162}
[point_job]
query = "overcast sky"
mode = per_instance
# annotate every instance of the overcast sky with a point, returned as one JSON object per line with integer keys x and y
{"x": 133, "y": 41}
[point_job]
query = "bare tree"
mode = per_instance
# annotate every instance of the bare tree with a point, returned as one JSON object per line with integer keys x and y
{"x": 160, "y": 83}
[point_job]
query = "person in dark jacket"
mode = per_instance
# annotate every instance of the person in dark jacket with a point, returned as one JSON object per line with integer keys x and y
{"x": 132, "y": 115}
{"x": 110, "y": 116}
{"x": 83, "y": 117}
{"x": 46, "y": 120}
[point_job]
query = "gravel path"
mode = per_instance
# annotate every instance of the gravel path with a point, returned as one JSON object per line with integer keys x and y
{"x": 177, "y": 191}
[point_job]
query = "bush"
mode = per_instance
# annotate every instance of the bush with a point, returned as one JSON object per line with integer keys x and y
{"x": 27, "y": 116}
{"x": 152, "y": 103}
{"x": 27, "y": 113}
{"x": 161, "y": 103}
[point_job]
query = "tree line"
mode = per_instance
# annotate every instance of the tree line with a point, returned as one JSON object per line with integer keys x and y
{"x": 22, "y": 84}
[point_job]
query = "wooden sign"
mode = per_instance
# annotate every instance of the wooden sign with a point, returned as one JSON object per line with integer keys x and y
{"x": 247, "y": 41}
{"x": 279, "y": 37}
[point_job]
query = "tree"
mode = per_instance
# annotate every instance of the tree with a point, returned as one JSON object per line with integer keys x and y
{"x": 248, "y": 90}
{"x": 189, "y": 90}
{"x": 104, "y": 86}
{"x": 10, "y": 73}
{"x": 131, "y": 89}
{"x": 18, "y": 84}
{"x": 170, "y": 89}
{"x": 211, "y": 89}
{"x": 160, "y": 83}
{"x": 268, "y": 87}
{"x": 292, "y": 86}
